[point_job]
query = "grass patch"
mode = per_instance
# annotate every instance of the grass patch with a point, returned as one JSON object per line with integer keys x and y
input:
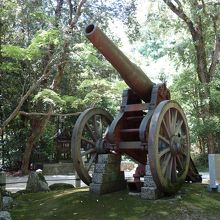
{"x": 192, "y": 201}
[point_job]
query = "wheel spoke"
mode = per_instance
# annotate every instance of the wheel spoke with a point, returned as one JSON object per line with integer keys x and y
{"x": 174, "y": 118}
{"x": 165, "y": 163}
{"x": 183, "y": 136}
{"x": 178, "y": 126}
{"x": 164, "y": 139}
{"x": 173, "y": 175}
{"x": 183, "y": 152}
{"x": 90, "y": 131}
{"x": 166, "y": 129}
{"x": 91, "y": 150}
{"x": 170, "y": 122}
{"x": 95, "y": 120}
{"x": 101, "y": 127}
{"x": 91, "y": 161}
{"x": 169, "y": 168}
{"x": 88, "y": 141}
{"x": 168, "y": 146}
{"x": 164, "y": 152}
{"x": 87, "y": 129}
{"x": 179, "y": 162}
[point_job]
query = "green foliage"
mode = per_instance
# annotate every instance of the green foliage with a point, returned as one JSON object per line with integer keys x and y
{"x": 100, "y": 93}
{"x": 14, "y": 144}
{"x": 48, "y": 96}
{"x": 169, "y": 34}
{"x": 32, "y": 33}
{"x": 185, "y": 90}
{"x": 215, "y": 95}
{"x": 42, "y": 39}
{"x": 13, "y": 52}
{"x": 87, "y": 53}
{"x": 153, "y": 46}
{"x": 201, "y": 161}
{"x": 10, "y": 67}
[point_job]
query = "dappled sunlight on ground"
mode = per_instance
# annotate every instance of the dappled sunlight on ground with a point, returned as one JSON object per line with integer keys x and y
{"x": 193, "y": 201}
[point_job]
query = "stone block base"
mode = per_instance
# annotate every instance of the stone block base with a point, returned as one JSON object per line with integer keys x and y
{"x": 107, "y": 176}
{"x": 102, "y": 188}
{"x": 150, "y": 193}
{"x": 150, "y": 190}
{"x": 107, "y": 167}
{"x": 212, "y": 188}
{"x": 149, "y": 182}
{"x": 109, "y": 158}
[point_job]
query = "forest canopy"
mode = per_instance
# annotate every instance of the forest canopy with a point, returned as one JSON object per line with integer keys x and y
{"x": 49, "y": 72}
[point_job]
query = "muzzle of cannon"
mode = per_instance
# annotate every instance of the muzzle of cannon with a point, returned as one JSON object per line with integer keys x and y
{"x": 149, "y": 126}
{"x": 134, "y": 77}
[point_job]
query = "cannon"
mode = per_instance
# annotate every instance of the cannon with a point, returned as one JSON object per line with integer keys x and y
{"x": 150, "y": 128}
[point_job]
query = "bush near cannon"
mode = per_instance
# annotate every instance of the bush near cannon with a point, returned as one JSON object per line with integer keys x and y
{"x": 150, "y": 128}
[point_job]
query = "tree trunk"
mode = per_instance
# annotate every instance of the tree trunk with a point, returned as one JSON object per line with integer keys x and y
{"x": 205, "y": 70}
{"x": 38, "y": 126}
{"x": 210, "y": 143}
{"x": 38, "y": 130}
{"x": 27, "y": 154}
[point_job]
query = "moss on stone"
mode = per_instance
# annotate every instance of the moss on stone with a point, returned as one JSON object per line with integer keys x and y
{"x": 60, "y": 186}
{"x": 41, "y": 177}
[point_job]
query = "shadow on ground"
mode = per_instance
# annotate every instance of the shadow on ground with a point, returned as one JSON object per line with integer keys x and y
{"x": 192, "y": 202}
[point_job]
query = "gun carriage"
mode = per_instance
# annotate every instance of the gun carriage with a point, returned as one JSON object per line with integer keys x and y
{"x": 149, "y": 126}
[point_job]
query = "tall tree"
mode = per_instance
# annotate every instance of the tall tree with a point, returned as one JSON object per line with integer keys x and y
{"x": 188, "y": 31}
{"x": 206, "y": 41}
{"x": 45, "y": 43}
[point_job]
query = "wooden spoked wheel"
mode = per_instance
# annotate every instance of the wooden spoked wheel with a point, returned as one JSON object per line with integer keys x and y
{"x": 88, "y": 132}
{"x": 168, "y": 146}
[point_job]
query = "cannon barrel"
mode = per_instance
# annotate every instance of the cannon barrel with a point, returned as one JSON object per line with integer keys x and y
{"x": 134, "y": 77}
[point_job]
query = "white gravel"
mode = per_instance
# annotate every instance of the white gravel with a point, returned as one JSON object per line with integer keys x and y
{"x": 15, "y": 184}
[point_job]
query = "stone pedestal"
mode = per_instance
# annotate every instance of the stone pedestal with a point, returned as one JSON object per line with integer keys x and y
{"x": 150, "y": 190}
{"x": 107, "y": 176}
{"x": 214, "y": 172}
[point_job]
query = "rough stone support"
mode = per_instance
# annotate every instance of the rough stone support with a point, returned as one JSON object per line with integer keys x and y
{"x": 107, "y": 176}
{"x": 150, "y": 190}
{"x": 214, "y": 172}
